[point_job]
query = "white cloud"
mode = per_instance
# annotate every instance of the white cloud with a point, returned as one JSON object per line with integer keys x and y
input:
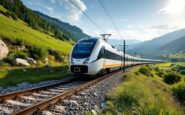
{"x": 74, "y": 13}
{"x": 143, "y": 33}
{"x": 174, "y": 8}
{"x": 50, "y": 9}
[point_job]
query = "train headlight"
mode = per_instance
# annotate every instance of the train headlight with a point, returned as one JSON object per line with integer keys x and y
{"x": 86, "y": 61}
{"x": 72, "y": 62}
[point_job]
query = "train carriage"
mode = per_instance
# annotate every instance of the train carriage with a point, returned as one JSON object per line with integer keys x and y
{"x": 92, "y": 56}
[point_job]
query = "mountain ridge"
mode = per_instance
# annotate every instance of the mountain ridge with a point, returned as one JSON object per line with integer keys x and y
{"x": 157, "y": 45}
{"x": 70, "y": 30}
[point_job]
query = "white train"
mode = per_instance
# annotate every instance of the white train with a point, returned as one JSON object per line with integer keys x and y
{"x": 92, "y": 56}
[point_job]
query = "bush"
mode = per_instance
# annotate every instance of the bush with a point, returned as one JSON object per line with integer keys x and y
{"x": 1, "y": 63}
{"x": 38, "y": 52}
{"x": 182, "y": 72}
{"x": 11, "y": 14}
{"x": 20, "y": 54}
{"x": 56, "y": 54}
{"x": 171, "y": 65}
{"x": 178, "y": 68}
{"x": 171, "y": 78}
{"x": 15, "y": 54}
{"x": 137, "y": 73}
{"x": 144, "y": 70}
{"x": 19, "y": 42}
{"x": 160, "y": 74}
{"x": 9, "y": 59}
{"x": 179, "y": 92}
{"x": 157, "y": 69}
{"x": 125, "y": 76}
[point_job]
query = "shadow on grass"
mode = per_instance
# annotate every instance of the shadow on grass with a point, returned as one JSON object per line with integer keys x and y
{"x": 33, "y": 75}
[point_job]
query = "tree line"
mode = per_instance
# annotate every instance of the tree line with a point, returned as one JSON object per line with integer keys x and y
{"x": 33, "y": 20}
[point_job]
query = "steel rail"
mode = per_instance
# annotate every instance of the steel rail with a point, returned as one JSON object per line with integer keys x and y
{"x": 35, "y": 109}
{"x": 27, "y": 91}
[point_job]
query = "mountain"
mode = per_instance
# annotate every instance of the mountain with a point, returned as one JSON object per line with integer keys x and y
{"x": 41, "y": 22}
{"x": 120, "y": 42}
{"x": 175, "y": 46}
{"x": 69, "y": 30}
{"x": 160, "y": 46}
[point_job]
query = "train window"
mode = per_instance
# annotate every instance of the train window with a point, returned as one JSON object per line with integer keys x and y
{"x": 101, "y": 53}
{"x": 83, "y": 49}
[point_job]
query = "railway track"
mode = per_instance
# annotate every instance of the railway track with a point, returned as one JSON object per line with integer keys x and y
{"x": 18, "y": 101}
{"x": 37, "y": 99}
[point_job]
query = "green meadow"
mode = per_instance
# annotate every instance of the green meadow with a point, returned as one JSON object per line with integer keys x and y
{"x": 12, "y": 30}
{"x": 146, "y": 93}
{"x": 17, "y": 29}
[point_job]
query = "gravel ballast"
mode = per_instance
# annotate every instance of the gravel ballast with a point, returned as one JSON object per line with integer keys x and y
{"x": 90, "y": 100}
{"x": 26, "y": 85}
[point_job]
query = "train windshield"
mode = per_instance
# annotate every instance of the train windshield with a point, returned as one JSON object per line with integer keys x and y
{"x": 84, "y": 48}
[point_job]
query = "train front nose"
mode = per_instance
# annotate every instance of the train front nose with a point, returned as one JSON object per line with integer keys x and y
{"x": 78, "y": 66}
{"x": 79, "y": 61}
{"x": 80, "y": 69}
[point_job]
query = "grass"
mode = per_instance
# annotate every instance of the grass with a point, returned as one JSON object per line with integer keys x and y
{"x": 179, "y": 55}
{"x": 140, "y": 94}
{"x": 18, "y": 75}
{"x": 17, "y": 29}
{"x": 3, "y": 9}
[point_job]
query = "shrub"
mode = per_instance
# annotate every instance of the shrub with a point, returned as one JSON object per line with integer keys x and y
{"x": 20, "y": 54}
{"x": 1, "y": 63}
{"x": 144, "y": 70}
{"x": 11, "y": 14}
{"x": 178, "y": 68}
{"x": 19, "y": 42}
{"x": 15, "y": 54}
{"x": 171, "y": 65}
{"x": 179, "y": 92}
{"x": 160, "y": 74}
{"x": 182, "y": 72}
{"x": 38, "y": 52}
{"x": 157, "y": 69}
{"x": 9, "y": 59}
{"x": 56, "y": 54}
{"x": 171, "y": 78}
{"x": 125, "y": 76}
{"x": 137, "y": 73}
{"x": 148, "y": 66}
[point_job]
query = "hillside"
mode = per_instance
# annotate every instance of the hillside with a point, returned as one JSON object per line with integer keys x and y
{"x": 69, "y": 30}
{"x": 175, "y": 46}
{"x": 160, "y": 46}
{"x": 18, "y": 10}
{"x": 47, "y": 54}
{"x": 17, "y": 29}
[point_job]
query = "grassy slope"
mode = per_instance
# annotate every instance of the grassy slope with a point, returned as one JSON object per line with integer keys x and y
{"x": 2, "y": 9}
{"x": 18, "y": 29}
{"x": 143, "y": 95}
{"x": 31, "y": 75}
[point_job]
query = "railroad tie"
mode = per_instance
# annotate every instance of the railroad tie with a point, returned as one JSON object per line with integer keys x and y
{"x": 17, "y": 103}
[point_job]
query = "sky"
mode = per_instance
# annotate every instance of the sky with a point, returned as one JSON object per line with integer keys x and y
{"x": 135, "y": 19}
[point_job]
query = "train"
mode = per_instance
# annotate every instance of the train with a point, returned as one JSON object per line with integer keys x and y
{"x": 92, "y": 56}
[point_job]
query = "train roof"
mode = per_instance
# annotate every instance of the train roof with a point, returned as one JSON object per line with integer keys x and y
{"x": 119, "y": 51}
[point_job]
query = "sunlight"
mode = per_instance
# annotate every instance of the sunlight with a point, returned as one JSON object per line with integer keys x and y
{"x": 175, "y": 7}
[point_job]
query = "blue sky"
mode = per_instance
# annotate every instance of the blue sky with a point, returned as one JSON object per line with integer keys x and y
{"x": 136, "y": 19}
